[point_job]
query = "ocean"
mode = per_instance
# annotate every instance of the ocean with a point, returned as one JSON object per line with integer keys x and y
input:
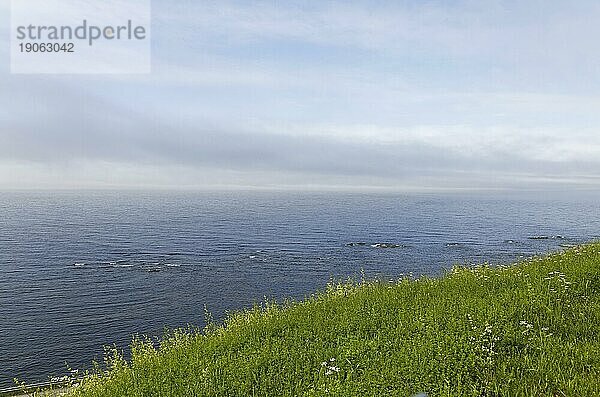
{"x": 80, "y": 270}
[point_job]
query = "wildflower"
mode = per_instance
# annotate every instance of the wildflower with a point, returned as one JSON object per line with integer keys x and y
{"x": 526, "y": 324}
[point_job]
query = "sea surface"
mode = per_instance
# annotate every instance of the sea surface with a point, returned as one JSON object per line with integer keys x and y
{"x": 80, "y": 270}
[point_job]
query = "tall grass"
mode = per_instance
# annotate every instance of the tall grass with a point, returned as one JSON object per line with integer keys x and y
{"x": 529, "y": 329}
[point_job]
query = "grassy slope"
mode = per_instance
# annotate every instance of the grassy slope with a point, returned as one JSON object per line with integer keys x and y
{"x": 528, "y": 329}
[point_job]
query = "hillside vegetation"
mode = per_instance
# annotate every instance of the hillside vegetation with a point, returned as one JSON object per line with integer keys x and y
{"x": 528, "y": 329}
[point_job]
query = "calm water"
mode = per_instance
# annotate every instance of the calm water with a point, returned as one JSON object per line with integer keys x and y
{"x": 81, "y": 270}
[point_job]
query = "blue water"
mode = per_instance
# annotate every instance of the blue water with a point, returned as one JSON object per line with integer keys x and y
{"x": 79, "y": 270}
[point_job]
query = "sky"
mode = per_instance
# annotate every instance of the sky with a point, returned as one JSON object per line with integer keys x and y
{"x": 394, "y": 95}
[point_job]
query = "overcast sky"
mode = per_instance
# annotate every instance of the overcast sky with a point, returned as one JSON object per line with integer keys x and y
{"x": 406, "y": 95}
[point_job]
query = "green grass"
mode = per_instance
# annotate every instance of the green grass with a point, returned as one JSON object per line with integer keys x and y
{"x": 529, "y": 329}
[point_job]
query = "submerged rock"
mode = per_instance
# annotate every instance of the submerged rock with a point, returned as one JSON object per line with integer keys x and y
{"x": 385, "y": 245}
{"x": 557, "y": 237}
{"x": 453, "y": 244}
{"x": 353, "y": 244}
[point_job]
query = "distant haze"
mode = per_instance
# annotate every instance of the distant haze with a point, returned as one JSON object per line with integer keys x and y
{"x": 410, "y": 95}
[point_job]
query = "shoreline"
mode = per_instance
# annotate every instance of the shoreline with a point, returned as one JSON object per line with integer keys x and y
{"x": 47, "y": 387}
{"x": 40, "y": 389}
{"x": 518, "y": 329}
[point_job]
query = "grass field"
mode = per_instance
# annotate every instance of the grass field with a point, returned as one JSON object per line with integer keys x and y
{"x": 528, "y": 329}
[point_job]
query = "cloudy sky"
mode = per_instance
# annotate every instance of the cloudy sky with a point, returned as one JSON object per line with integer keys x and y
{"x": 404, "y": 95}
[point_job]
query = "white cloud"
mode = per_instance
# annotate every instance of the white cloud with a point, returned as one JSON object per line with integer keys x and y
{"x": 324, "y": 93}
{"x": 471, "y": 27}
